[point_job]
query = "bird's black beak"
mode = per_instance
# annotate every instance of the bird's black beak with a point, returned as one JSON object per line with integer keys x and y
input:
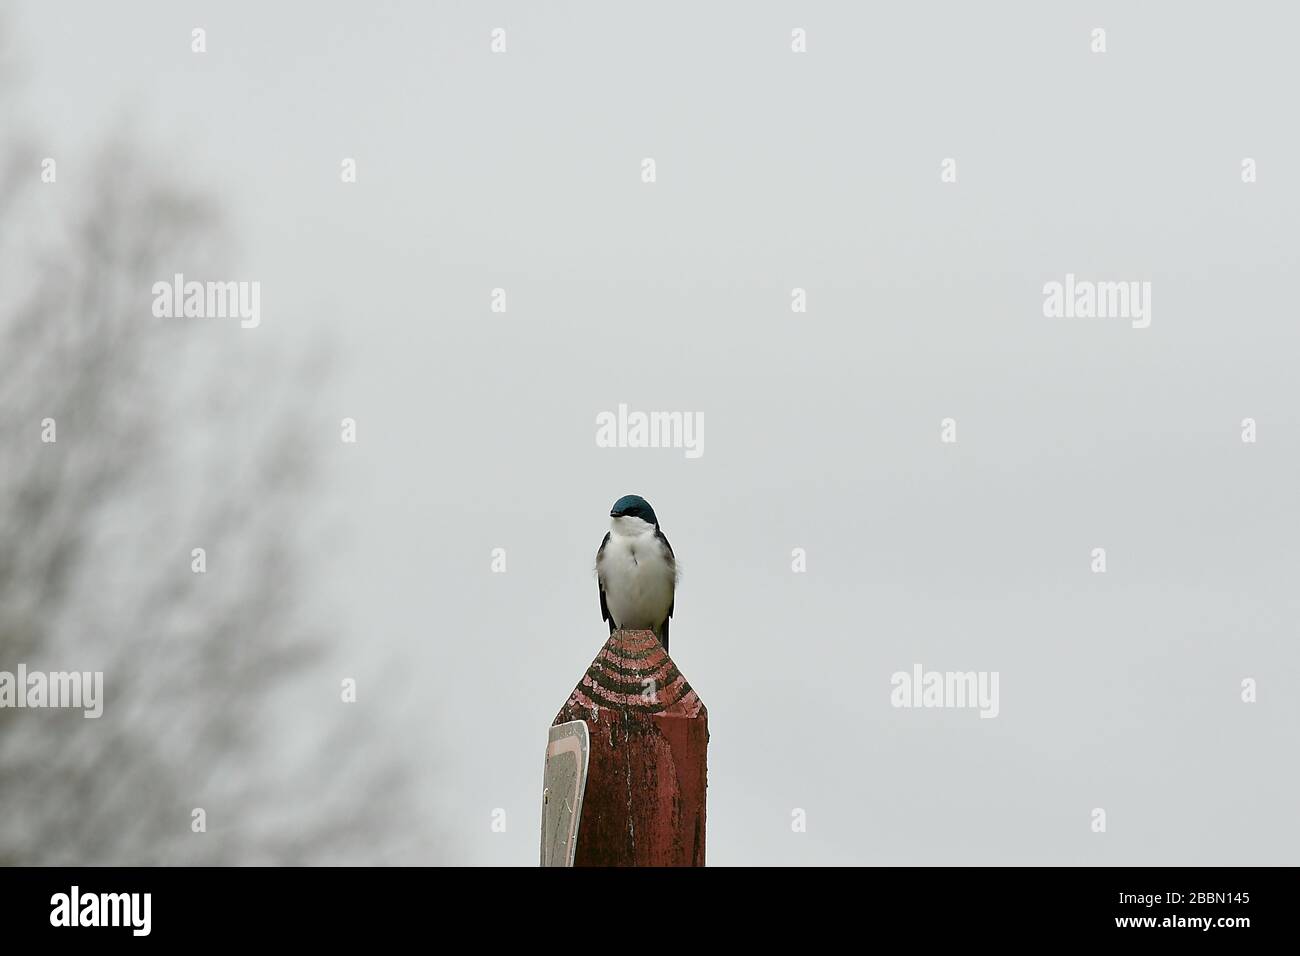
{"x": 616, "y": 514}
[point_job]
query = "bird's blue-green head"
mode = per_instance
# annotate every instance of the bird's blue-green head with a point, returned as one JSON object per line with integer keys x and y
{"x": 634, "y": 506}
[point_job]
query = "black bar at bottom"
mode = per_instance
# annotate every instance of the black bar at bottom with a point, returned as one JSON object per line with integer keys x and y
{"x": 333, "y": 906}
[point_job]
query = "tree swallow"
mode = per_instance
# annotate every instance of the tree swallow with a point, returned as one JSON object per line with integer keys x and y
{"x": 636, "y": 570}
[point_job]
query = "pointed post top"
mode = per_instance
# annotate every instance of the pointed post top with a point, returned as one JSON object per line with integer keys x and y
{"x": 633, "y": 673}
{"x": 643, "y": 802}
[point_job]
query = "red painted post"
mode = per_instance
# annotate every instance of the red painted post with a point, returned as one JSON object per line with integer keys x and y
{"x": 648, "y": 769}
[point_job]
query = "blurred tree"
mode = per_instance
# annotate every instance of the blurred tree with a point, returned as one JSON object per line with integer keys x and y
{"x": 170, "y": 435}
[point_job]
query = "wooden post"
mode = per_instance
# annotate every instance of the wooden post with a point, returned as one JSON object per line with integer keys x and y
{"x": 647, "y": 775}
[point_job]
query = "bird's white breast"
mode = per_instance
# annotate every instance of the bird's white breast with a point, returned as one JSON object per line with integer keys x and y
{"x": 638, "y": 580}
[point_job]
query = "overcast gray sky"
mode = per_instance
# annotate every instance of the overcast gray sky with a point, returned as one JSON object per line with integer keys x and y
{"x": 775, "y": 170}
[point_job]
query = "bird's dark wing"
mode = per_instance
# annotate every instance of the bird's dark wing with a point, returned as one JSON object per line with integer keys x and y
{"x": 604, "y": 608}
{"x": 667, "y": 547}
{"x": 672, "y": 562}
